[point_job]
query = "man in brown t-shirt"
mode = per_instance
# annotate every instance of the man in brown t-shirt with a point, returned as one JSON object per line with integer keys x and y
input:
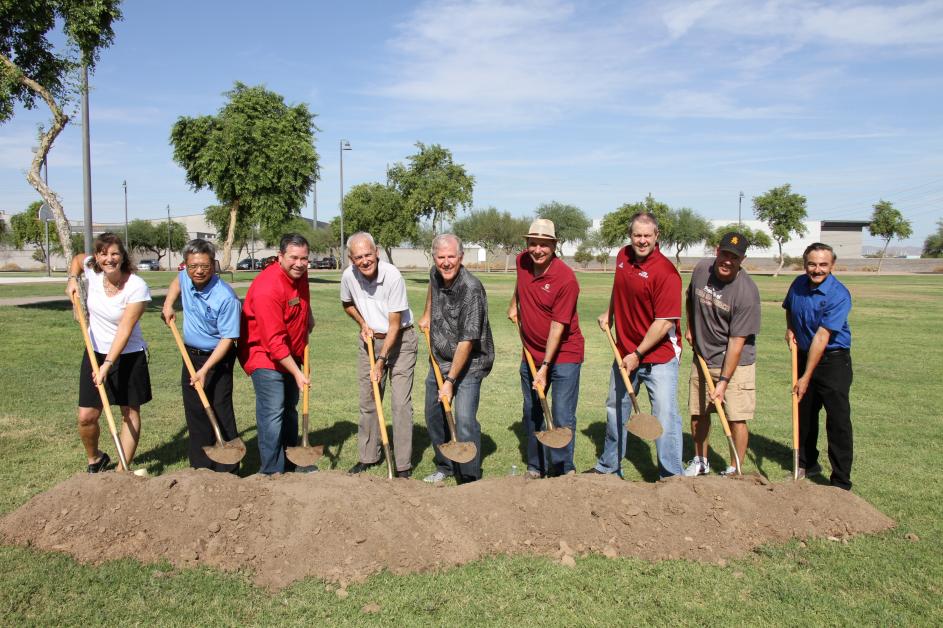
{"x": 723, "y": 306}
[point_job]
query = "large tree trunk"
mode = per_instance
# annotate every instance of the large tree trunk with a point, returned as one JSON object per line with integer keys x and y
{"x": 59, "y": 120}
{"x": 389, "y": 253}
{"x": 226, "y": 263}
{"x": 781, "y": 259}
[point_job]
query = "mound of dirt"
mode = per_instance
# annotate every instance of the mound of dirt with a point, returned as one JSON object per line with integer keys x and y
{"x": 342, "y": 528}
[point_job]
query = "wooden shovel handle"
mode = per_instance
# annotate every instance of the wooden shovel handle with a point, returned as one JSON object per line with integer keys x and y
{"x": 706, "y": 374}
{"x": 622, "y": 371}
{"x": 199, "y": 387}
{"x": 378, "y": 401}
{"x": 106, "y": 405}
{"x": 307, "y": 371}
{"x": 435, "y": 369}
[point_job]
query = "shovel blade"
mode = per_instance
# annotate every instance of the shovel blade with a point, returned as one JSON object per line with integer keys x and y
{"x": 557, "y": 438}
{"x": 458, "y": 451}
{"x": 230, "y": 452}
{"x": 304, "y": 456}
{"x": 645, "y": 426}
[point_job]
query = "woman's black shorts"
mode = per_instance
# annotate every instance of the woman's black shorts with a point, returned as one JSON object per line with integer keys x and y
{"x": 128, "y": 382}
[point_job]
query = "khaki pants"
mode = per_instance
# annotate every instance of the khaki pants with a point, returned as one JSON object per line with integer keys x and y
{"x": 739, "y": 399}
{"x": 398, "y": 373}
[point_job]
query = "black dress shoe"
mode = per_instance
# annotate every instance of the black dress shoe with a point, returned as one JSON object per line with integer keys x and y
{"x": 101, "y": 465}
{"x": 408, "y": 473}
{"x": 360, "y": 467}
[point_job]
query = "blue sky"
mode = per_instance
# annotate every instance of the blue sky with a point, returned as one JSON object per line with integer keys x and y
{"x": 590, "y": 103}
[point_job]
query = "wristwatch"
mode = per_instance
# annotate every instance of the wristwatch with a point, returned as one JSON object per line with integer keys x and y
{"x": 638, "y": 355}
{"x": 544, "y": 363}
{"x": 450, "y": 379}
{"x": 723, "y": 378}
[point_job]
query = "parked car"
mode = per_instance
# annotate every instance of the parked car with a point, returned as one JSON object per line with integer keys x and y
{"x": 266, "y": 262}
{"x": 247, "y": 264}
{"x": 326, "y": 262}
{"x": 147, "y": 264}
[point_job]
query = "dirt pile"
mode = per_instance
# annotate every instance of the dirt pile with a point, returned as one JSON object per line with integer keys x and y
{"x": 343, "y": 528}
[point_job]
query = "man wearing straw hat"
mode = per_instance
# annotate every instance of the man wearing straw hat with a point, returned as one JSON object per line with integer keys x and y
{"x": 547, "y": 291}
{"x": 373, "y": 294}
{"x": 723, "y": 306}
{"x": 210, "y": 330}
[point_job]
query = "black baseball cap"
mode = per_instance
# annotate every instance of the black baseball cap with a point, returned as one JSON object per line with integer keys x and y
{"x": 735, "y": 243}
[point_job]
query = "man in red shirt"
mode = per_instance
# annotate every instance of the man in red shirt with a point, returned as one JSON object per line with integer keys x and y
{"x": 276, "y": 321}
{"x": 646, "y": 306}
{"x": 547, "y": 291}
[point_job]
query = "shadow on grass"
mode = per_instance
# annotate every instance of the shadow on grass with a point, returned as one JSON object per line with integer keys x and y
{"x": 772, "y": 459}
{"x": 422, "y": 281}
{"x": 168, "y": 453}
{"x": 637, "y": 451}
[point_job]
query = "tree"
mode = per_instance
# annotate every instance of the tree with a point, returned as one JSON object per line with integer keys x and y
{"x": 322, "y": 240}
{"x": 784, "y": 212}
{"x": 144, "y": 235}
{"x": 483, "y": 227}
{"x": 380, "y": 210}
{"x": 584, "y": 254}
{"x": 32, "y": 68}
{"x": 598, "y": 247}
{"x": 569, "y": 221}
{"x": 432, "y": 185}
{"x": 933, "y": 245}
{"x": 256, "y": 154}
{"x": 26, "y": 228}
{"x": 758, "y": 239}
{"x": 615, "y": 224}
{"x": 511, "y": 232}
{"x": 687, "y": 228}
{"x": 218, "y": 217}
{"x": 888, "y": 223}
{"x": 422, "y": 240}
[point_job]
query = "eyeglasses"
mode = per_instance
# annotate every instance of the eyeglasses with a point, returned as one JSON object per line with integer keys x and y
{"x": 196, "y": 267}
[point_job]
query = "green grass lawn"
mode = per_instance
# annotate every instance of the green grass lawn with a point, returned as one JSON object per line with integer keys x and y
{"x": 886, "y": 579}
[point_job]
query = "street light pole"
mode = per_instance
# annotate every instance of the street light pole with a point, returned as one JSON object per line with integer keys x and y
{"x": 125, "y": 184}
{"x": 168, "y": 237}
{"x": 739, "y": 208}
{"x": 86, "y": 163}
{"x": 344, "y": 145}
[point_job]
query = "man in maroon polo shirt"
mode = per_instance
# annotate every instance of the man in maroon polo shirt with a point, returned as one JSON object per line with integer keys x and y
{"x": 276, "y": 321}
{"x": 646, "y": 306}
{"x": 547, "y": 291}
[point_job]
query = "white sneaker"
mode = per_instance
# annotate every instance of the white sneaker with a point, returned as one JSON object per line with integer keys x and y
{"x": 698, "y": 466}
{"x": 438, "y": 476}
{"x": 731, "y": 470}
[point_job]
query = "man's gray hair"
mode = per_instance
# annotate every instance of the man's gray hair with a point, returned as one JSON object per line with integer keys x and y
{"x": 643, "y": 216}
{"x": 360, "y": 235}
{"x": 440, "y": 239}
{"x": 199, "y": 246}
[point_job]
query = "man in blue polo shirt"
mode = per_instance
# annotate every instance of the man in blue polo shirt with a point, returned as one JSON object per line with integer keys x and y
{"x": 817, "y": 307}
{"x": 210, "y": 330}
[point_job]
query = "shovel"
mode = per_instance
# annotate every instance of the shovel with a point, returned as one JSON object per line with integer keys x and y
{"x": 553, "y": 437}
{"x": 106, "y": 405}
{"x": 645, "y": 426}
{"x": 378, "y": 401}
{"x": 795, "y": 409}
{"x": 720, "y": 411}
{"x": 306, "y": 455}
{"x": 223, "y": 452}
{"x": 455, "y": 450}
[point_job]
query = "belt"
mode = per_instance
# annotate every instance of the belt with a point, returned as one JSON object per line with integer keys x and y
{"x": 383, "y": 336}
{"x": 837, "y": 352}
{"x": 195, "y": 351}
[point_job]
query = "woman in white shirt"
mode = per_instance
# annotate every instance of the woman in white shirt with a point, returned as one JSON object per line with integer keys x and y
{"x": 116, "y": 300}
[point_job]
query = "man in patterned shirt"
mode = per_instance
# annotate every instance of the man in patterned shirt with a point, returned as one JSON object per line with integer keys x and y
{"x": 456, "y": 316}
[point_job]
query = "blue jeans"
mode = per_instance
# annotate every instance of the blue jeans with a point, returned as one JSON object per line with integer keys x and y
{"x": 465, "y": 410}
{"x": 565, "y": 381}
{"x": 276, "y": 417}
{"x": 661, "y": 381}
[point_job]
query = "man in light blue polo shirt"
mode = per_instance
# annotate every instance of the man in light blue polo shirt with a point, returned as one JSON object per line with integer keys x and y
{"x": 210, "y": 330}
{"x": 817, "y": 308}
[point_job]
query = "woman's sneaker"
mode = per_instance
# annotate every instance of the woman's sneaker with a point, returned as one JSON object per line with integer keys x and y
{"x": 101, "y": 465}
{"x": 698, "y": 466}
